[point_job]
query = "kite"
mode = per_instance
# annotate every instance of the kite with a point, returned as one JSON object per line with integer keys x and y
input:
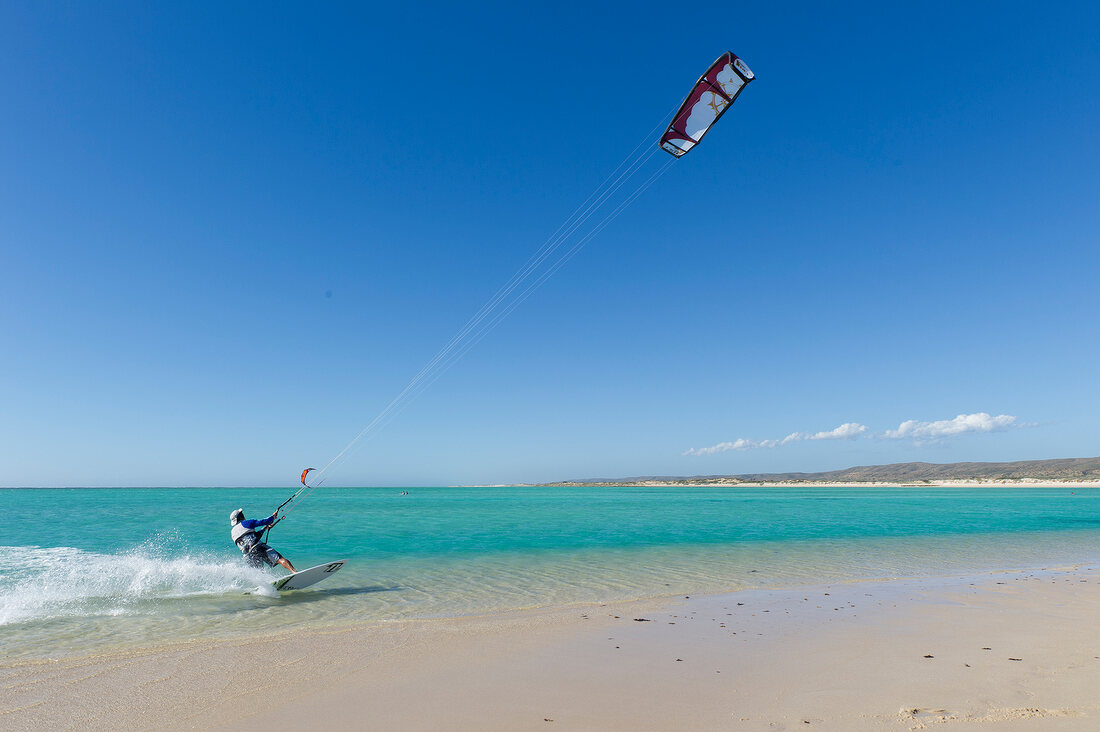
{"x": 709, "y": 99}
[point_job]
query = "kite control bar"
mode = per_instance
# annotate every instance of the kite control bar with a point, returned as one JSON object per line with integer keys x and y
{"x": 280, "y": 508}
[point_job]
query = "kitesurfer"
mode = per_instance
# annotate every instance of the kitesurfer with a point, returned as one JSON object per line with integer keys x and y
{"x": 248, "y": 541}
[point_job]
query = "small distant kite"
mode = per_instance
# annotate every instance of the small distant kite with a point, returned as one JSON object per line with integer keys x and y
{"x": 304, "y": 473}
{"x": 709, "y": 99}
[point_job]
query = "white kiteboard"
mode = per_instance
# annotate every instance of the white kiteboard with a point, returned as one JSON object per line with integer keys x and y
{"x": 307, "y": 577}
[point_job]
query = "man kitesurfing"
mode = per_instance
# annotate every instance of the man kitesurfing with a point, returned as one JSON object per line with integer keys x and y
{"x": 256, "y": 552}
{"x": 709, "y": 99}
{"x": 248, "y": 535}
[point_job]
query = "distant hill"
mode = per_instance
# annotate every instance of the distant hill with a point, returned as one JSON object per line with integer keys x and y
{"x": 1064, "y": 469}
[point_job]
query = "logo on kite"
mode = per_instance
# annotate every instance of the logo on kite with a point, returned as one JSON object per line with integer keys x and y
{"x": 709, "y": 99}
{"x": 304, "y": 473}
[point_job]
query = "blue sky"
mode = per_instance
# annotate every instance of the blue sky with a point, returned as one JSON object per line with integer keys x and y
{"x": 229, "y": 236}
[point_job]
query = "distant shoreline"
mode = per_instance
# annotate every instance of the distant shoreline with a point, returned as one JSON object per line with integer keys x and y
{"x": 965, "y": 483}
{"x": 1069, "y": 472}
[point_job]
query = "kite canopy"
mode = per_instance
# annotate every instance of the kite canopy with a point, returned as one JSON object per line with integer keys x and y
{"x": 304, "y": 472}
{"x": 709, "y": 99}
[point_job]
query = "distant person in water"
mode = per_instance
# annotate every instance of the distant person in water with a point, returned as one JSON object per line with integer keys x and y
{"x": 248, "y": 541}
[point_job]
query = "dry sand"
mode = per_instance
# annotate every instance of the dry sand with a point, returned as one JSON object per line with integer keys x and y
{"x": 1004, "y": 651}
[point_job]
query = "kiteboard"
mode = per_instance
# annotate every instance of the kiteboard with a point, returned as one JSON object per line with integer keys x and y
{"x": 307, "y": 577}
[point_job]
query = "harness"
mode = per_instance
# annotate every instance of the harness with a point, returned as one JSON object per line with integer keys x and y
{"x": 245, "y": 539}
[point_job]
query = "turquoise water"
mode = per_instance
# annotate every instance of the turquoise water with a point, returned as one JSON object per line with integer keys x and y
{"x": 85, "y": 570}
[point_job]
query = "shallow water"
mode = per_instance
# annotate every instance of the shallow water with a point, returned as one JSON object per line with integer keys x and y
{"x": 83, "y": 570}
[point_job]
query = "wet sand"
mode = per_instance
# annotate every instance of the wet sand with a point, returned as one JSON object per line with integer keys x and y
{"x": 1009, "y": 650}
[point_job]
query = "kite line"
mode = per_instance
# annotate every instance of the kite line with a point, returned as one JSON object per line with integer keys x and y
{"x": 709, "y": 99}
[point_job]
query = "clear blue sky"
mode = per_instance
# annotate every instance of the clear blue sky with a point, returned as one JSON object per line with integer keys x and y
{"x": 229, "y": 235}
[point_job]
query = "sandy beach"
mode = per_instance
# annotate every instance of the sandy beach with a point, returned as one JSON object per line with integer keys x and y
{"x": 1013, "y": 650}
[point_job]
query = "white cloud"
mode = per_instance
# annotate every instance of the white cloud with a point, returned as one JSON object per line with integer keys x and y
{"x": 846, "y": 431}
{"x": 977, "y": 422}
{"x": 739, "y": 444}
{"x": 911, "y": 429}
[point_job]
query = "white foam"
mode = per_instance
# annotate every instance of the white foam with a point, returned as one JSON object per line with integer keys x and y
{"x": 42, "y": 583}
